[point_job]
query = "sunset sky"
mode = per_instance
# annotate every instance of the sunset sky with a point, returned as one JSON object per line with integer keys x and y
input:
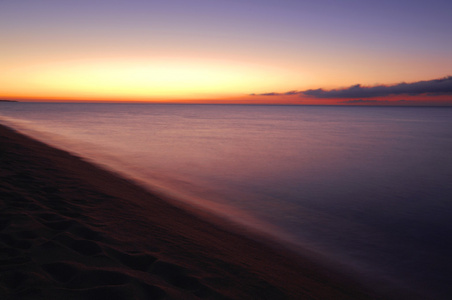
{"x": 249, "y": 51}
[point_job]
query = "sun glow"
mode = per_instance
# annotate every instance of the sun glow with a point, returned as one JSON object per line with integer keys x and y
{"x": 162, "y": 78}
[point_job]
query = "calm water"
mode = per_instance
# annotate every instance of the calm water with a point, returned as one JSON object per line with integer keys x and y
{"x": 369, "y": 187}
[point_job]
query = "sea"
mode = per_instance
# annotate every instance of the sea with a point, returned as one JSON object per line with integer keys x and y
{"x": 368, "y": 188}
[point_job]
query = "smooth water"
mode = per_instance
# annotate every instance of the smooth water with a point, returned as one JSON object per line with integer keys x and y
{"x": 369, "y": 187}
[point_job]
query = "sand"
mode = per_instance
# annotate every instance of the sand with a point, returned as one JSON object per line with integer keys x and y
{"x": 72, "y": 230}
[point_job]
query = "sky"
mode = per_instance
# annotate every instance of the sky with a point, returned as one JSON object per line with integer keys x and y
{"x": 235, "y": 51}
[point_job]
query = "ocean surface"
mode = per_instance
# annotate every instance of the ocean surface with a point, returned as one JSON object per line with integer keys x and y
{"x": 367, "y": 187}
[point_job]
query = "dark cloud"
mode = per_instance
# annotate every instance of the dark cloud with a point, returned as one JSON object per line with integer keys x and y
{"x": 270, "y": 94}
{"x": 441, "y": 86}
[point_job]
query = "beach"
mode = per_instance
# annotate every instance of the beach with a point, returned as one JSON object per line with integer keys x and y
{"x": 72, "y": 230}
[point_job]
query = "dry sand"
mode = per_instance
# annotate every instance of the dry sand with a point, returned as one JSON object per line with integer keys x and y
{"x": 71, "y": 230}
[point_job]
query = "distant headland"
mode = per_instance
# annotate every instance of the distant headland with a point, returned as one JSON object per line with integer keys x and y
{"x": 8, "y": 100}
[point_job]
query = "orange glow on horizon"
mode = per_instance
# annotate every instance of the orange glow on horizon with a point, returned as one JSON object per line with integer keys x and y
{"x": 140, "y": 79}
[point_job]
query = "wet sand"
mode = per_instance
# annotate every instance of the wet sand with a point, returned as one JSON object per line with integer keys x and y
{"x": 71, "y": 230}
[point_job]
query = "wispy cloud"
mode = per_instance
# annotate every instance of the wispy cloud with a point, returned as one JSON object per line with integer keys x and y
{"x": 270, "y": 94}
{"x": 442, "y": 86}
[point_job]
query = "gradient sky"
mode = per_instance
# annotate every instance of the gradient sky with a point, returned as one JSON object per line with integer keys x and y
{"x": 221, "y": 50}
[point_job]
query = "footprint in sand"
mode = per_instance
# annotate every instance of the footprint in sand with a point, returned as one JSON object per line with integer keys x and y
{"x": 99, "y": 277}
{"x": 55, "y": 221}
{"x": 14, "y": 242}
{"x": 86, "y": 233}
{"x": 8, "y": 252}
{"x": 175, "y": 275}
{"x": 84, "y": 247}
{"x": 27, "y": 234}
{"x": 135, "y": 261}
{"x": 153, "y": 292}
{"x": 49, "y": 217}
{"x": 15, "y": 261}
{"x": 59, "y": 225}
{"x": 60, "y": 271}
{"x": 87, "y": 248}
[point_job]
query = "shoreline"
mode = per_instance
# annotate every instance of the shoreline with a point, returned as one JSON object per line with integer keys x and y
{"x": 72, "y": 229}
